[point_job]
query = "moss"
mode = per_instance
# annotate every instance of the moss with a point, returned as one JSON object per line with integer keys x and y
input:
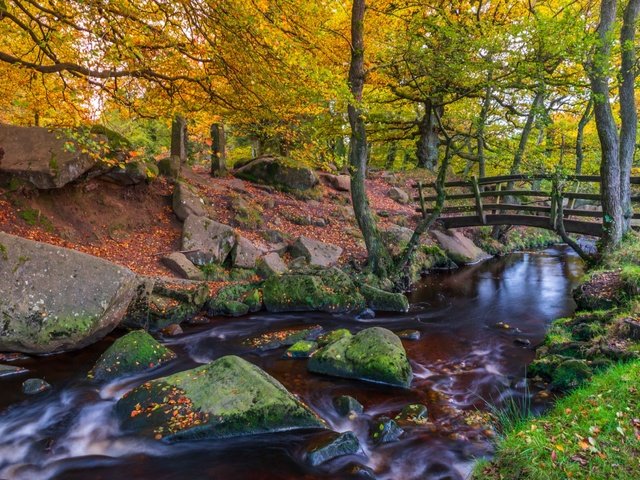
{"x": 235, "y": 300}
{"x": 4, "y": 254}
{"x": 135, "y": 352}
{"x": 374, "y": 354}
{"x": 333, "y": 336}
{"x": 35, "y": 218}
{"x": 570, "y": 374}
{"x": 382, "y": 301}
{"x": 301, "y": 349}
{"x": 227, "y": 397}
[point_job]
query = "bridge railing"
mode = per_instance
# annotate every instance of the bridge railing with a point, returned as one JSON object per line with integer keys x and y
{"x": 503, "y": 200}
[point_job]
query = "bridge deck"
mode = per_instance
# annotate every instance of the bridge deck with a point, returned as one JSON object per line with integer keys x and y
{"x": 571, "y": 226}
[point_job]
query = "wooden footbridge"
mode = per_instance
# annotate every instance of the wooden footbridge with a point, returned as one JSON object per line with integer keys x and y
{"x": 532, "y": 200}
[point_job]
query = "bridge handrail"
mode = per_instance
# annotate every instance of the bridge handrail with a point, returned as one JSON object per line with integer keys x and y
{"x": 522, "y": 178}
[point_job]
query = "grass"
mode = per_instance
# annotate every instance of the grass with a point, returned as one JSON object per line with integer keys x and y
{"x": 593, "y": 433}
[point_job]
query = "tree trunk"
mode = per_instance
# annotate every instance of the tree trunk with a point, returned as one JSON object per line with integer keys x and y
{"x": 392, "y": 153}
{"x": 428, "y": 140}
{"x": 218, "y": 150}
{"x": 628, "y": 113}
{"x": 584, "y": 120}
{"x": 607, "y": 131}
{"x": 482, "y": 122}
{"x": 179, "y": 138}
{"x": 378, "y": 255}
{"x": 526, "y": 132}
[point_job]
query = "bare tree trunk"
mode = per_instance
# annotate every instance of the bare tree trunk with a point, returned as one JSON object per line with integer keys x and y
{"x": 428, "y": 140}
{"x": 584, "y": 120}
{"x": 607, "y": 131}
{"x": 628, "y": 113}
{"x": 179, "y": 138}
{"x": 378, "y": 255}
{"x": 218, "y": 150}
{"x": 482, "y": 122}
{"x": 526, "y": 132}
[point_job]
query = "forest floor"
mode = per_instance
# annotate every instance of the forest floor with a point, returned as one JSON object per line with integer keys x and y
{"x": 135, "y": 226}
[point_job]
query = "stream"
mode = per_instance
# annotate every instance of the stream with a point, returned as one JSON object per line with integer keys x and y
{"x": 463, "y": 362}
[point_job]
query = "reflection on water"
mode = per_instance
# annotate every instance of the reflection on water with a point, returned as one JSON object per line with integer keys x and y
{"x": 461, "y": 362}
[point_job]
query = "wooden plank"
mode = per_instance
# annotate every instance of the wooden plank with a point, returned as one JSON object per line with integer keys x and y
{"x": 571, "y": 226}
{"x": 523, "y": 178}
{"x": 523, "y": 208}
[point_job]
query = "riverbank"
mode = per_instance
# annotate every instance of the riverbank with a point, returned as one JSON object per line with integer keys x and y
{"x": 594, "y": 431}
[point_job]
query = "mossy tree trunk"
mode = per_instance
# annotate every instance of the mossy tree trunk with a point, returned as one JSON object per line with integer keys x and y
{"x": 378, "y": 255}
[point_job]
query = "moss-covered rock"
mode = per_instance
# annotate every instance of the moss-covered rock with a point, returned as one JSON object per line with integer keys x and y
{"x": 570, "y": 374}
{"x": 374, "y": 354}
{"x": 228, "y": 397}
{"x": 301, "y": 349}
{"x": 235, "y": 300}
{"x": 328, "y": 290}
{"x": 135, "y": 352}
{"x": 385, "y": 430}
{"x": 600, "y": 291}
{"x": 415, "y": 413}
{"x": 382, "y": 301}
{"x": 283, "y": 338}
{"x": 333, "y": 336}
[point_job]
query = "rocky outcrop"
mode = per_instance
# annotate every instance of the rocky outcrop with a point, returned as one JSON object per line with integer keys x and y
{"x": 317, "y": 253}
{"x": 186, "y": 202}
{"x": 459, "y": 248}
{"x": 274, "y": 171}
{"x": 44, "y": 158}
{"x": 135, "y": 352}
{"x": 226, "y": 398}
{"x": 181, "y": 265}
{"x": 374, "y": 354}
{"x": 271, "y": 264}
{"x": 206, "y": 241}
{"x": 317, "y": 290}
{"x": 54, "y": 299}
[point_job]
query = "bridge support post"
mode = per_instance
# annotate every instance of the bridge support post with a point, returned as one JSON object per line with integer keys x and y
{"x": 476, "y": 193}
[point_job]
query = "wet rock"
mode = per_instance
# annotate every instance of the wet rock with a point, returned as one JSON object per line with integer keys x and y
{"x": 381, "y": 301}
{"x": 338, "y": 445}
{"x": 319, "y": 290}
{"x": 523, "y": 342}
{"x": 355, "y": 470}
{"x": 245, "y": 254}
{"x": 333, "y": 336}
{"x": 271, "y": 264}
{"x": 54, "y": 299}
{"x": 135, "y": 352}
{"x": 9, "y": 370}
{"x": 385, "y": 430}
{"x": 33, "y": 386}
{"x": 415, "y": 413}
{"x": 374, "y": 354}
{"x": 316, "y": 253}
{"x": 276, "y": 172}
{"x": 186, "y": 202}
{"x": 226, "y": 398}
{"x": 47, "y": 159}
{"x": 206, "y": 241}
{"x": 172, "y": 330}
{"x": 160, "y": 302}
{"x": 366, "y": 314}
{"x": 283, "y": 338}
{"x": 181, "y": 265}
{"x": 235, "y": 300}
{"x": 398, "y": 195}
{"x": 301, "y": 349}
{"x": 346, "y": 406}
{"x": 459, "y": 248}
{"x": 409, "y": 334}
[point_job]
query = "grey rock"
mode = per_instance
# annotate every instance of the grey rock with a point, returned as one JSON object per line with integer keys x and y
{"x": 271, "y": 264}
{"x": 206, "y": 241}
{"x": 54, "y": 299}
{"x": 45, "y": 158}
{"x": 342, "y": 183}
{"x": 34, "y": 385}
{"x": 385, "y": 430}
{"x": 398, "y": 195}
{"x": 186, "y": 202}
{"x": 346, "y": 405}
{"x": 338, "y": 445}
{"x": 459, "y": 248}
{"x": 274, "y": 171}
{"x": 170, "y": 166}
{"x": 245, "y": 254}
{"x": 9, "y": 370}
{"x": 317, "y": 253}
{"x": 181, "y": 265}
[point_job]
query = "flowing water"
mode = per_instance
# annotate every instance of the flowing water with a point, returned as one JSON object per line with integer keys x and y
{"x": 462, "y": 362}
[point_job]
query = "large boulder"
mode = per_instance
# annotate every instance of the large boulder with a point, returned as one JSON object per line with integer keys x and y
{"x": 245, "y": 254}
{"x": 226, "y": 398}
{"x": 186, "y": 202}
{"x": 45, "y": 158}
{"x": 459, "y": 248}
{"x": 322, "y": 290}
{"x": 54, "y": 299}
{"x": 206, "y": 241}
{"x": 271, "y": 264}
{"x": 317, "y": 253}
{"x": 383, "y": 301}
{"x": 341, "y": 183}
{"x": 374, "y": 354}
{"x": 274, "y": 171}
{"x": 398, "y": 195}
{"x": 135, "y": 352}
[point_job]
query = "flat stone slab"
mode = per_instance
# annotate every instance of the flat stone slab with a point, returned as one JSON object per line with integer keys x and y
{"x": 47, "y": 159}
